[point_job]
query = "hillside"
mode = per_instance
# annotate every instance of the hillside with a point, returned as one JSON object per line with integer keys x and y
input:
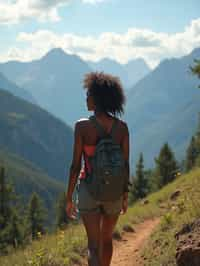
{"x": 35, "y": 135}
{"x": 55, "y": 81}
{"x": 162, "y": 107}
{"x": 14, "y": 89}
{"x": 27, "y": 178}
{"x": 161, "y": 247}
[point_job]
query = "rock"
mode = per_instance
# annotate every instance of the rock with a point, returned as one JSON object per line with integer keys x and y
{"x": 145, "y": 201}
{"x": 173, "y": 208}
{"x": 166, "y": 243}
{"x": 162, "y": 206}
{"x": 128, "y": 228}
{"x": 185, "y": 229}
{"x": 188, "y": 256}
{"x": 175, "y": 194}
{"x": 188, "y": 246}
{"x": 116, "y": 235}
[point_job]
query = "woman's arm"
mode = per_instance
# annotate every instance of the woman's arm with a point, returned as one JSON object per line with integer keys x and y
{"x": 125, "y": 149}
{"x": 76, "y": 162}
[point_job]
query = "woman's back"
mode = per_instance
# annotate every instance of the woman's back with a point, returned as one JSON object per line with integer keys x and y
{"x": 90, "y": 137}
{"x": 90, "y": 134}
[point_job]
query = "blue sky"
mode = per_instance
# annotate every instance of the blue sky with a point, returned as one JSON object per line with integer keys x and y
{"x": 94, "y": 29}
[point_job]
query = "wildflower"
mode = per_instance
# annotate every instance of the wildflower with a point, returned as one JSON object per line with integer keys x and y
{"x": 39, "y": 234}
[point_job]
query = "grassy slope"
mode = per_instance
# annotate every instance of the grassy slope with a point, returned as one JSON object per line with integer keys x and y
{"x": 63, "y": 247}
{"x": 161, "y": 248}
{"x": 34, "y": 134}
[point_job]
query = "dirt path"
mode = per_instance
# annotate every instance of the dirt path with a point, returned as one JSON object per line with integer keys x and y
{"x": 126, "y": 251}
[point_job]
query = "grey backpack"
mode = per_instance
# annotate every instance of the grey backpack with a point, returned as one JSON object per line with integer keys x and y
{"x": 106, "y": 180}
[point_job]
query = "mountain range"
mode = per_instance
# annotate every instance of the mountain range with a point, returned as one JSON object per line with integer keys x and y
{"x": 163, "y": 107}
{"x": 56, "y": 80}
{"x": 129, "y": 73}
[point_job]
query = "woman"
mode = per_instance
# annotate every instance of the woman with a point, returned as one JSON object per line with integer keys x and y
{"x": 105, "y": 97}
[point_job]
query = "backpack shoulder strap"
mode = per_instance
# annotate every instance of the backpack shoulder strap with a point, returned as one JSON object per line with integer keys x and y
{"x": 114, "y": 128}
{"x": 101, "y": 130}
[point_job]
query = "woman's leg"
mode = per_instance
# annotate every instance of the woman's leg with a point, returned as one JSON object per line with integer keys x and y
{"x": 92, "y": 223}
{"x": 107, "y": 228}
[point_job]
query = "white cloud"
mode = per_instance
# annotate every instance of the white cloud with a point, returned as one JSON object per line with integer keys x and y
{"x": 93, "y": 1}
{"x": 19, "y": 10}
{"x": 12, "y": 12}
{"x": 134, "y": 43}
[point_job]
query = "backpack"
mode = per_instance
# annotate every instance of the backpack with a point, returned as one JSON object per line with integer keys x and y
{"x": 106, "y": 180}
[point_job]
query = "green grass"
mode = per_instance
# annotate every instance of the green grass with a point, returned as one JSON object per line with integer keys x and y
{"x": 161, "y": 247}
{"x": 65, "y": 247}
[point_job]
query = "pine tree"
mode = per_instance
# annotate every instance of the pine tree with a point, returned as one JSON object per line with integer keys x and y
{"x": 36, "y": 216}
{"x": 16, "y": 231}
{"x": 140, "y": 184}
{"x": 166, "y": 165}
{"x": 197, "y": 137}
{"x": 196, "y": 68}
{"x": 191, "y": 154}
{"x": 10, "y": 232}
{"x": 193, "y": 150}
{"x": 153, "y": 182}
{"x": 61, "y": 218}
{"x": 5, "y": 197}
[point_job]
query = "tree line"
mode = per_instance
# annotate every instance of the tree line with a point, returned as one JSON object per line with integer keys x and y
{"x": 19, "y": 224}
{"x": 167, "y": 168}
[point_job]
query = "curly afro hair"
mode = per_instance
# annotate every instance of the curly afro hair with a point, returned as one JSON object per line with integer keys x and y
{"x": 107, "y": 92}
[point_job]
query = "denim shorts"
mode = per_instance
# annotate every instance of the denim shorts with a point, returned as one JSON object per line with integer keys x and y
{"x": 86, "y": 204}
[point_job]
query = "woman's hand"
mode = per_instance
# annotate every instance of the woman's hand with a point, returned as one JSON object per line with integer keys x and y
{"x": 71, "y": 209}
{"x": 124, "y": 204}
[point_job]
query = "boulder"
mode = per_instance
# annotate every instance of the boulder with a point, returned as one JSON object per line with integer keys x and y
{"x": 144, "y": 201}
{"x": 175, "y": 194}
{"x": 188, "y": 246}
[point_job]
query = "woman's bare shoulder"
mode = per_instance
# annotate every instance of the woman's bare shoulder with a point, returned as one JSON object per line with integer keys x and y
{"x": 82, "y": 122}
{"x": 123, "y": 124}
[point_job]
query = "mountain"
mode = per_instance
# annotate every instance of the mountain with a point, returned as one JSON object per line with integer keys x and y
{"x": 162, "y": 107}
{"x": 136, "y": 70}
{"x": 112, "y": 67}
{"x": 35, "y": 135}
{"x": 14, "y": 89}
{"x": 55, "y": 81}
{"x": 26, "y": 178}
{"x": 129, "y": 73}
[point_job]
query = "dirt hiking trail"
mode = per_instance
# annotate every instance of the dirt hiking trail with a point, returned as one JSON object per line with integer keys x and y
{"x": 126, "y": 251}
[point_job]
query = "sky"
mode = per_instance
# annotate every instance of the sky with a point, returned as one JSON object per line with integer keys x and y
{"x": 94, "y": 29}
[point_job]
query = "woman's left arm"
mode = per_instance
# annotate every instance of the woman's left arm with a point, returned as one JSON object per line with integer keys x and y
{"x": 75, "y": 166}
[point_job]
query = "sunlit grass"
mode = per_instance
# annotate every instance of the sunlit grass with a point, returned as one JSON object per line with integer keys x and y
{"x": 161, "y": 248}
